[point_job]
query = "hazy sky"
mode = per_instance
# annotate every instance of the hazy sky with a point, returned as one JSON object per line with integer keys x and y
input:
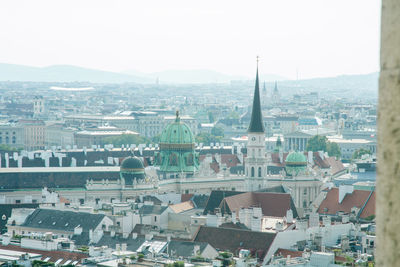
{"x": 319, "y": 37}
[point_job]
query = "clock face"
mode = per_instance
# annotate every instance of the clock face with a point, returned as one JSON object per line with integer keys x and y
{"x": 253, "y": 139}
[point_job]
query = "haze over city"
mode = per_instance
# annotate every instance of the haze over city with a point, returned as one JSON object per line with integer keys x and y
{"x": 295, "y": 39}
{"x": 199, "y": 133}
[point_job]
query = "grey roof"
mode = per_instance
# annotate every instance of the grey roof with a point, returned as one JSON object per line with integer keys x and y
{"x": 132, "y": 244}
{"x": 152, "y": 209}
{"x": 184, "y": 248}
{"x": 62, "y": 220}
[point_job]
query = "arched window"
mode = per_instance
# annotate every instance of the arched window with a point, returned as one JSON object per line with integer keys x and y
{"x": 189, "y": 160}
{"x": 252, "y": 171}
{"x": 7, "y": 140}
{"x": 259, "y": 171}
{"x": 173, "y": 160}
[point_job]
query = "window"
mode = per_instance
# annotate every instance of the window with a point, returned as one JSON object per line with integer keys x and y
{"x": 155, "y": 218}
{"x": 259, "y": 171}
{"x": 252, "y": 171}
{"x": 173, "y": 160}
{"x": 18, "y": 201}
{"x": 189, "y": 160}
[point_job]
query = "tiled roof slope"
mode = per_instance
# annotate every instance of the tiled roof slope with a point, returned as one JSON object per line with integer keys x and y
{"x": 62, "y": 220}
{"x": 362, "y": 199}
{"x": 233, "y": 240}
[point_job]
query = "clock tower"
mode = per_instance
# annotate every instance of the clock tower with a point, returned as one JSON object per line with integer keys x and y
{"x": 256, "y": 161}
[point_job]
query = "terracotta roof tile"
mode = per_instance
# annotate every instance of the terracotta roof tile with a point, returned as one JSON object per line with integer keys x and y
{"x": 330, "y": 205}
{"x": 271, "y": 204}
{"x": 286, "y": 252}
{"x": 181, "y": 207}
{"x": 235, "y": 239}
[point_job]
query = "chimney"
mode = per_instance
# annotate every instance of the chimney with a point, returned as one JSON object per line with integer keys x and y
{"x": 289, "y": 216}
{"x": 310, "y": 158}
{"x": 234, "y": 217}
{"x": 326, "y": 220}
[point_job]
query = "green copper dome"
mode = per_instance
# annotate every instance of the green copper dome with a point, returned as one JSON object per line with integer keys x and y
{"x": 296, "y": 163}
{"x": 177, "y": 135}
{"x": 132, "y": 168}
{"x": 177, "y": 149}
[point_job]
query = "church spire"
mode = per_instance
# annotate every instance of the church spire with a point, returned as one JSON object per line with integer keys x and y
{"x": 276, "y": 87}
{"x": 256, "y": 123}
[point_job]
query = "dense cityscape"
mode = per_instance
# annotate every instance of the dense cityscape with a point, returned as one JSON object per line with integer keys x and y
{"x": 199, "y": 133}
{"x": 246, "y": 173}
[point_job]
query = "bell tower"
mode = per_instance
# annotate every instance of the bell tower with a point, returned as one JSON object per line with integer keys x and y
{"x": 256, "y": 161}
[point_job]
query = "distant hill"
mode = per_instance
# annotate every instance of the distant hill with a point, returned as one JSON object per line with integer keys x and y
{"x": 64, "y": 73}
{"x": 365, "y": 85}
{"x": 199, "y": 76}
{"x": 356, "y": 85}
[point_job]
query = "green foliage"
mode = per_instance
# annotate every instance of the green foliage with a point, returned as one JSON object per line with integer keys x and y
{"x": 207, "y": 138}
{"x": 360, "y": 152}
{"x": 226, "y": 258}
{"x": 133, "y": 257}
{"x": 39, "y": 263}
{"x": 125, "y": 139}
{"x": 4, "y": 147}
{"x": 333, "y": 149}
{"x": 140, "y": 257}
{"x": 317, "y": 143}
{"x": 321, "y": 143}
{"x": 370, "y": 218}
{"x": 176, "y": 264}
{"x": 217, "y": 131}
{"x": 84, "y": 249}
{"x": 156, "y": 139}
{"x": 211, "y": 118}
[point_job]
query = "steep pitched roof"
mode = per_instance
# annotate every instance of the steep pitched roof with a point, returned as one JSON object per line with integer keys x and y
{"x": 359, "y": 198}
{"x": 233, "y": 240}
{"x": 184, "y": 248}
{"x": 256, "y": 123}
{"x": 152, "y": 209}
{"x": 6, "y": 209}
{"x": 271, "y": 204}
{"x": 62, "y": 220}
{"x": 215, "y": 198}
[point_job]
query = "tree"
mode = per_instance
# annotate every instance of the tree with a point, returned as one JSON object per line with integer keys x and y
{"x": 217, "y": 131}
{"x": 207, "y": 138}
{"x": 360, "y": 152}
{"x": 9, "y": 148}
{"x": 317, "y": 143}
{"x": 211, "y": 117}
{"x": 333, "y": 149}
{"x": 321, "y": 143}
{"x": 125, "y": 139}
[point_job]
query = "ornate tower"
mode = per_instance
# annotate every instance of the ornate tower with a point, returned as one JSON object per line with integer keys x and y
{"x": 177, "y": 154}
{"x": 256, "y": 162}
{"x": 275, "y": 94}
